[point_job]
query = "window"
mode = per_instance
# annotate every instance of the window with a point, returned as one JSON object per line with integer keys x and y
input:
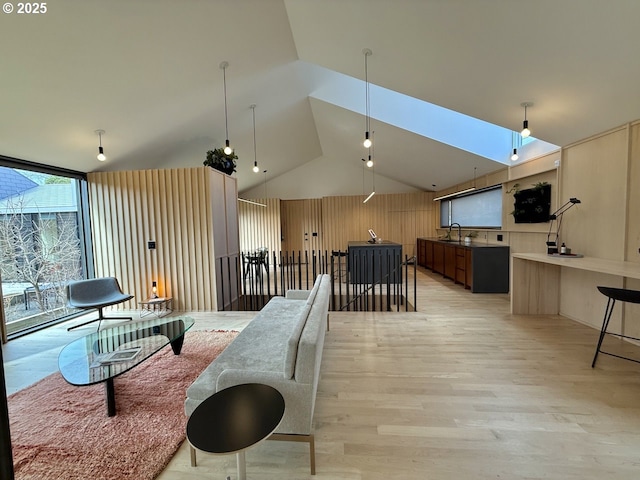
{"x": 43, "y": 242}
{"x": 478, "y": 209}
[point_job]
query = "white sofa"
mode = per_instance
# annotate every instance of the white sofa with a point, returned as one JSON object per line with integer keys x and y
{"x": 281, "y": 347}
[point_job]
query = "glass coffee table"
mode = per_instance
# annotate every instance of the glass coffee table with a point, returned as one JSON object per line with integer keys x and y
{"x": 102, "y": 356}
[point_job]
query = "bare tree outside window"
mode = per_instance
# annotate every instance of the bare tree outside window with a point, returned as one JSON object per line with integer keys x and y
{"x": 40, "y": 249}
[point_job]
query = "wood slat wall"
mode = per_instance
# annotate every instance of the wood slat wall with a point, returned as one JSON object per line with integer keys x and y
{"x": 260, "y": 226}
{"x": 300, "y": 220}
{"x": 400, "y": 218}
{"x": 337, "y": 220}
{"x": 171, "y": 207}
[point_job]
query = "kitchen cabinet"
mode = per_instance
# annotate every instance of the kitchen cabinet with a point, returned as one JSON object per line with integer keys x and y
{"x": 479, "y": 268}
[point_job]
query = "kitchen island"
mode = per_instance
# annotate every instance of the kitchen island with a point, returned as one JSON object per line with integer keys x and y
{"x": 375, "y": 262}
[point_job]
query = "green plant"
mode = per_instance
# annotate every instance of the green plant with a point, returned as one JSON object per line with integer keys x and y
{"x": 514, "y": 189}
{"x": 221, "y": 161}
{"x": 471, "y": 234}
{"x": 539, "y": 185}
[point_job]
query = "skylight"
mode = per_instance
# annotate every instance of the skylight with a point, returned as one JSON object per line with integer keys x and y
{"x": 423, "y": 118}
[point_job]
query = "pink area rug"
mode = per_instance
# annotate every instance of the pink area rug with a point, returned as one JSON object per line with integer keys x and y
{"x": 59, "y": 431}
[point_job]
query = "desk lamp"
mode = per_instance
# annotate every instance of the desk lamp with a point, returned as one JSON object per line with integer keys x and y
{"x": 552, "y": 246}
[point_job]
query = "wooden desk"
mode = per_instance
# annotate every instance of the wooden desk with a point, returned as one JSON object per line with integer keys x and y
{"x": 535, "y": 279}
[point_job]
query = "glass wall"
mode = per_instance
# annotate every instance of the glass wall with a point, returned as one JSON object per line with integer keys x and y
{"x": 43, "y": 244}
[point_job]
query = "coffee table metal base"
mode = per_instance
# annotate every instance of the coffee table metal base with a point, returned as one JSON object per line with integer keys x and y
{"x": 110, "y": 389}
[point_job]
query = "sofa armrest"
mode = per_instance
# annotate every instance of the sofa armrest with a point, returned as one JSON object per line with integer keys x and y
{"x": 297, "y": 294}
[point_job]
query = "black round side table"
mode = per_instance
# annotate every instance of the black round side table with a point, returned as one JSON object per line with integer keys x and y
{"x": 234, "y": 419}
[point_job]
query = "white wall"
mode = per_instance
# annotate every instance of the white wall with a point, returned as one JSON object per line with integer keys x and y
{"x": 315, "y": 180}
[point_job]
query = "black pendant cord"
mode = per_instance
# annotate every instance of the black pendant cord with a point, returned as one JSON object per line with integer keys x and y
{"x": 373, "y": 166}
{"x": 366, "y": 81}
{"x": 255, "y": 150}
{"x": 226, "y": 118}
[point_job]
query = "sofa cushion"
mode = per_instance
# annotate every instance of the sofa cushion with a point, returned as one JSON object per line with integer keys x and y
{"x": 292, "y": 344}
{"x": 260, "y": 346}
{"x": 312, "y": 294}
{"x": 308, "y": 295}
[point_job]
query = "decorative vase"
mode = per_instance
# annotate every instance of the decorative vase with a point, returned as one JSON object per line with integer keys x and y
{"x": 227, "y": 168}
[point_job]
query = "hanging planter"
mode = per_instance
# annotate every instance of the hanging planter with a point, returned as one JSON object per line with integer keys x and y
{"x": 221, "y": 161}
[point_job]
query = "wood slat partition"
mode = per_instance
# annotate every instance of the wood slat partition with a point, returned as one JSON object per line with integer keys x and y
{"x": 293, "y": 219}
{"x": 337, "y": 220}
{"x": 171, "y": 207}
{"x": 260, "y": 226}
{"x": 300, "y": 220}
{"x": 400, "y": 218}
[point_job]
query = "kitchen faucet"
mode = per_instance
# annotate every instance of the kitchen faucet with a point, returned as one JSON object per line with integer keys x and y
{"x": 459, "y": 230}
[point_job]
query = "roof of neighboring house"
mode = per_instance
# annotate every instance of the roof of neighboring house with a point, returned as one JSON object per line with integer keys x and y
{"x": 42, "y": 199}
{"x": 13, "y": 183}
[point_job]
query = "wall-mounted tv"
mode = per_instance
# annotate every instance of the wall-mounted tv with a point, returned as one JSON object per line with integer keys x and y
{"x": 532, "y": 205}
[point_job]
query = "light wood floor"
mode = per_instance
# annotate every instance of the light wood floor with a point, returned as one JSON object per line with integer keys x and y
{"x": 459, "y": 390}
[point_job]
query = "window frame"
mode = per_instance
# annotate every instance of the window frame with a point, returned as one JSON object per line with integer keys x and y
{"x": 447, "y": 204}
{"x": 83, "y": 219}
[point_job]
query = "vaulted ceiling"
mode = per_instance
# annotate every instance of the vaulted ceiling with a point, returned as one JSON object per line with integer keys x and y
{"x": 148, "y": 73}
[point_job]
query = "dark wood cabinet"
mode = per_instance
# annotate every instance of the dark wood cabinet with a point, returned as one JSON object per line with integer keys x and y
{"x": 461, "y": 266}
{"x": 421, "y": 248}
{"x": 450, "y": 261}
{"x": 438, "y": 258}
{"x": 425, "y": 253}
{"x": 479, "y": 268}
{"x": 428, "y": 247}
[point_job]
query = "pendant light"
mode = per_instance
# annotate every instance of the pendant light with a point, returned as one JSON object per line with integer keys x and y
{"x": 373, "y": 186}
{"x": 227, "y": 148}
{"x": 525, "y": 125}
{"x": 373, "y": 175}
{"x": 101, "y": 156}
{"x": 255, "y": 151}
{"x": 367, "y": 141}
{"x": 369, "y": 162}
{"x": 514, "y": 143}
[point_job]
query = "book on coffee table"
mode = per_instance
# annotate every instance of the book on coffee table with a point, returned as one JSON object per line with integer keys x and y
{"x": 123, "y": 355}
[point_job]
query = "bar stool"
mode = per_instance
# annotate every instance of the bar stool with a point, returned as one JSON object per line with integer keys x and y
{"x": 613, "y": 294}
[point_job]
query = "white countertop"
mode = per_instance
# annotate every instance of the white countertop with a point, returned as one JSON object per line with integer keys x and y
{"x": 592, "y": 264}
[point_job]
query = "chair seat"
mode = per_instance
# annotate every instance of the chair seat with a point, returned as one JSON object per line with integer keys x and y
{"x": 104, "y": 301}
{"x": 621, "y": 294}
{"x": 615, "y": 294}
{"x": 96, "y": 293}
